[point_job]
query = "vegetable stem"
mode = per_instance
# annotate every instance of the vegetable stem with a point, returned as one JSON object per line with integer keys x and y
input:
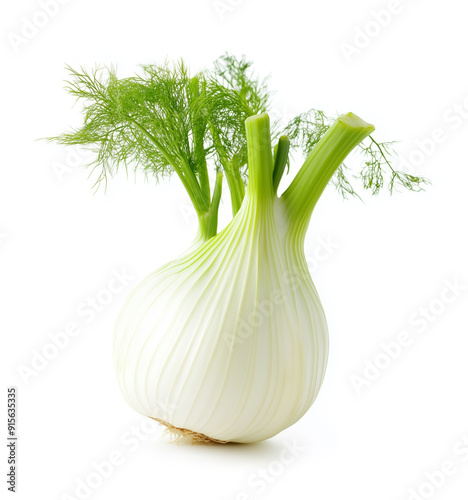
{"x": 235, "y": 184}
{"x": 196, "y": 89}
{"x": 232, "y": 172}
{"x": 308, "y": 185}
{"x": 281, "y": 160}
{"x": 259, "y": 157}
{"x": 208, "y": 221}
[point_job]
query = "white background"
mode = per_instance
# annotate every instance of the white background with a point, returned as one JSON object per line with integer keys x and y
{"x": 389, "y": 257}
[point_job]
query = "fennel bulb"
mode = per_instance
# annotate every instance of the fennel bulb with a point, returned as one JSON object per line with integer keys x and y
{"x": 230, "y": 342}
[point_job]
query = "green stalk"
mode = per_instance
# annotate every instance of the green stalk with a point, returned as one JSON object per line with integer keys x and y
{"x": 208, "y": 221}
{"x": 281, "y": 160}
{"x": 235, "y": 184}
{"x": 193, "y": 188}
{"x": 308, "y": 185}
{"x": 231, "y": 170}
{"x": 196, "y": 88}
{"x": 259, "y": 158}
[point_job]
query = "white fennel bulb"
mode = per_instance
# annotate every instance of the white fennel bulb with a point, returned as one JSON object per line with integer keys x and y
{"x": 229, "y": 342}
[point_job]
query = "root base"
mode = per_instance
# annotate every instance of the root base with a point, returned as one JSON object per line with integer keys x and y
{"x": 178, "y": 433}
